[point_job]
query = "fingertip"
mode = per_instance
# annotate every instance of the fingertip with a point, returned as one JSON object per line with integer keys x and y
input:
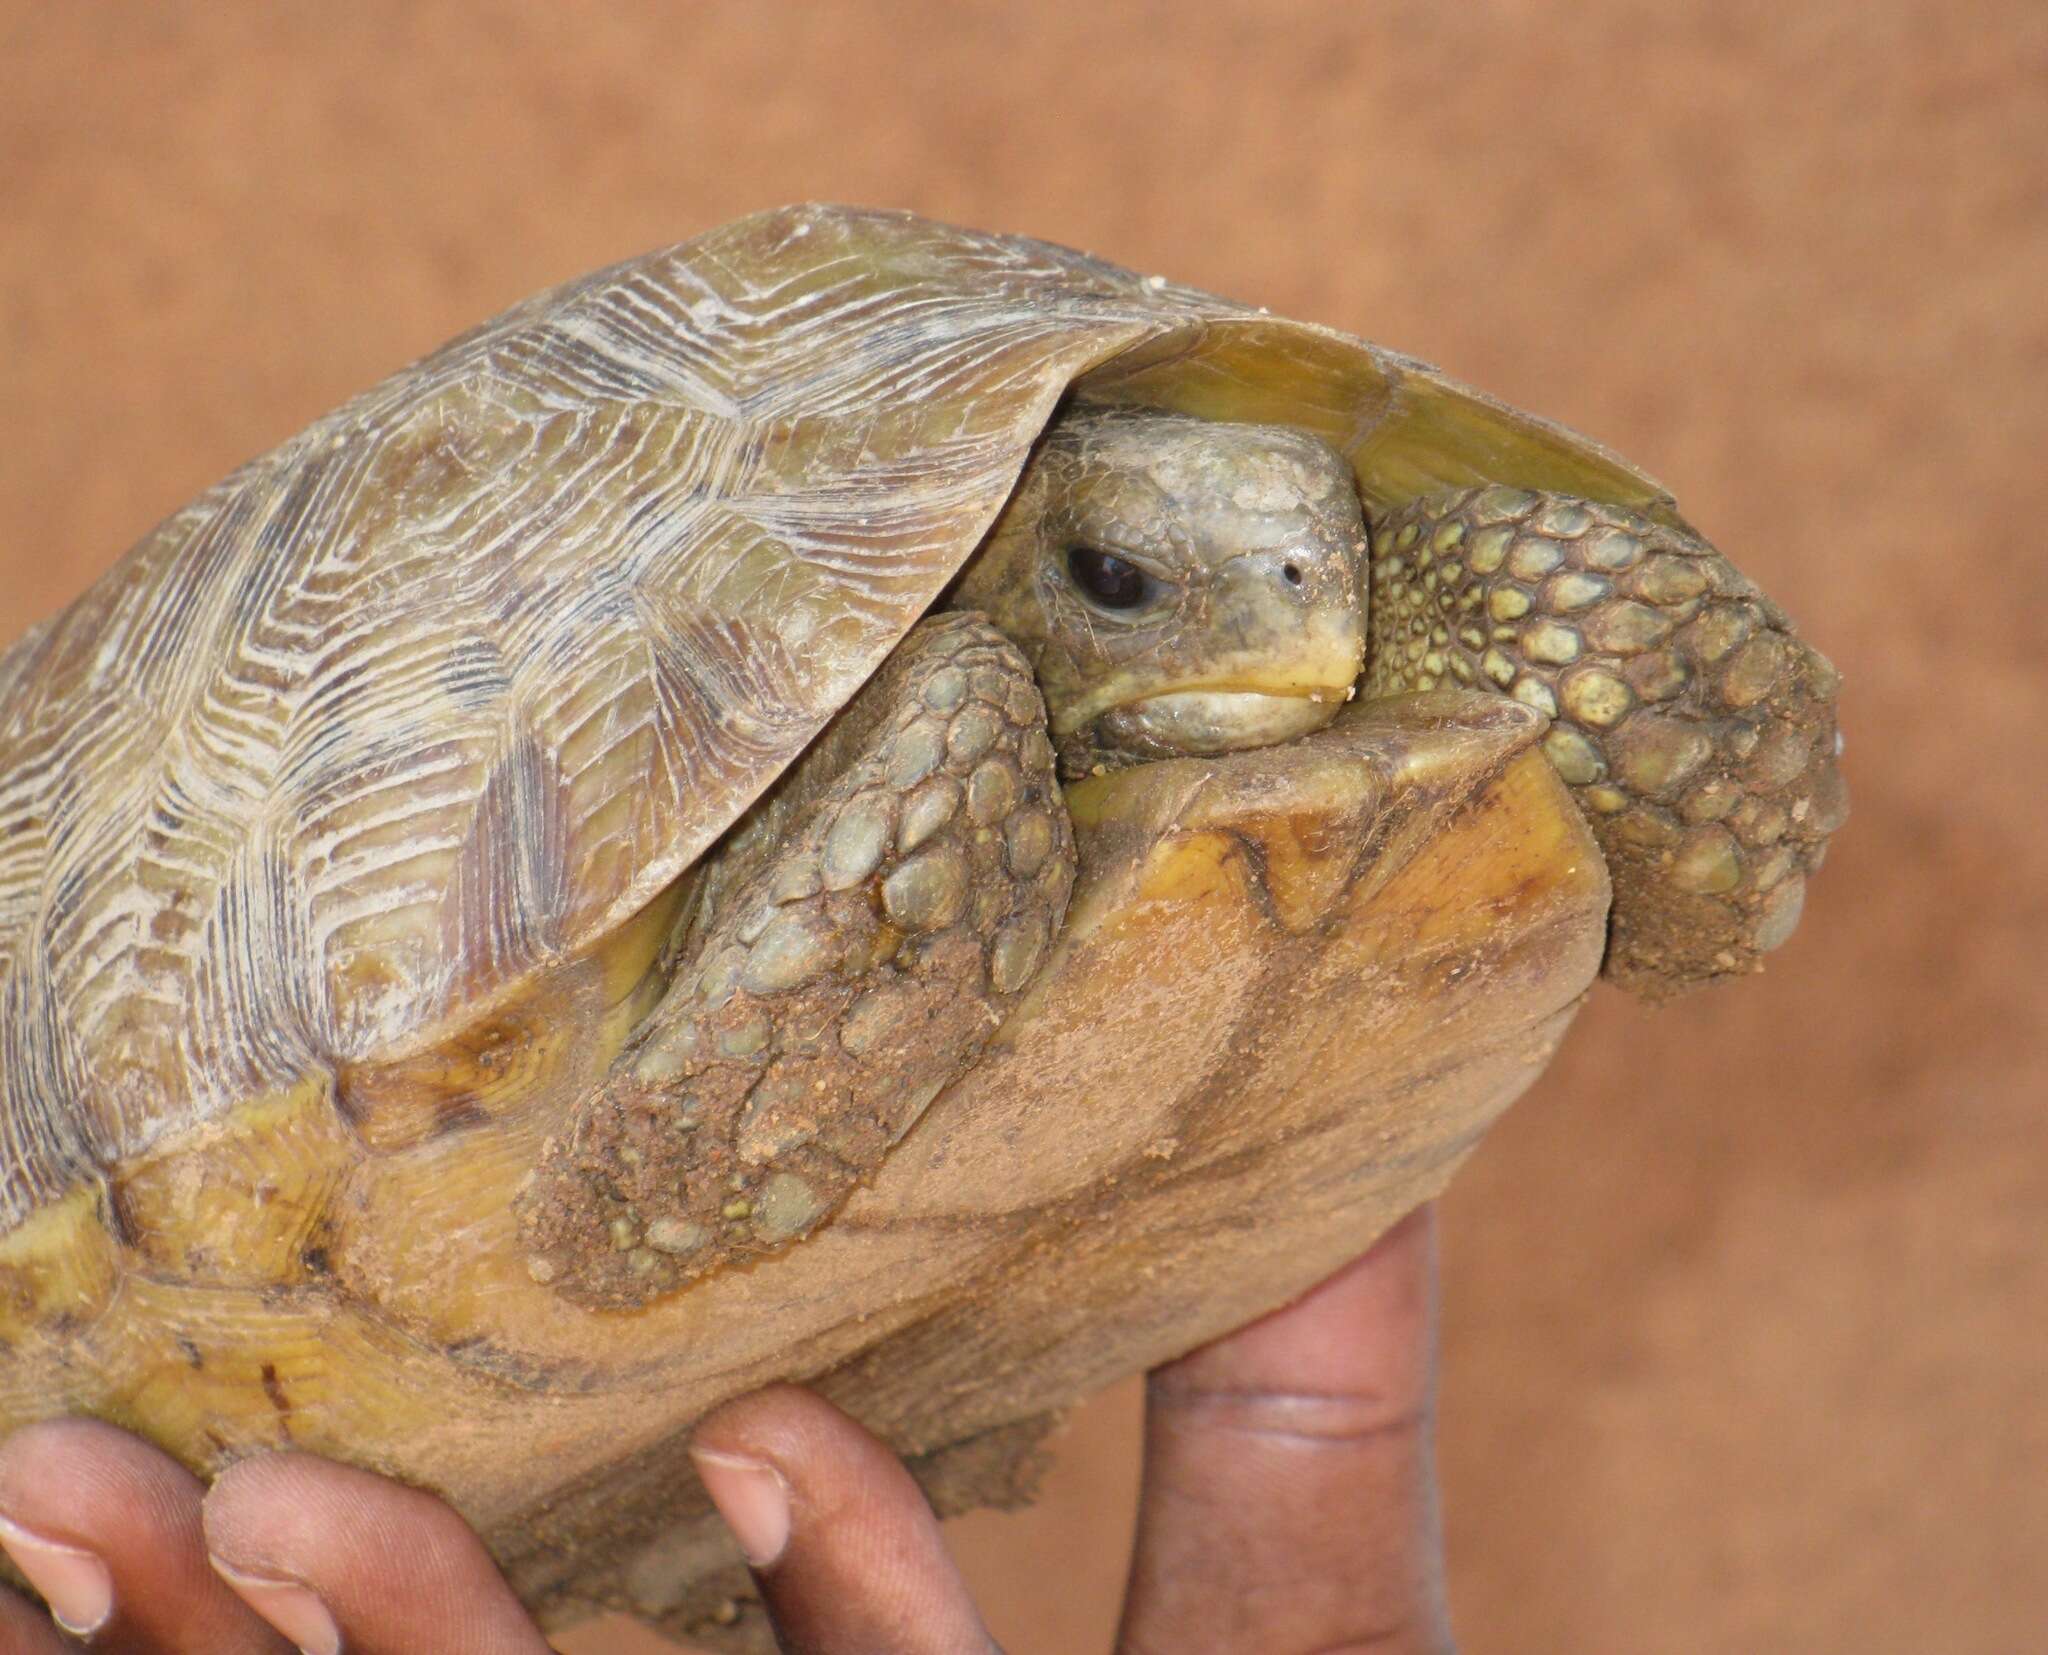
{"x": 107, "y": 1528}
{"x": 332, "y": 1555}
{"x": 85, "y": 1469}
{"x": 73, "y": 1581}
{"x": 1372, "y": 1324}
{"x": 296, "y": 1516}
{"x": 1289, "y": 1471}
{"x": 753, "y": 1453}
{"x": 775, "y": 1420}
{"x": 752, "y": 1497}
{"x": 294, "y": 1609}
{"x": 26, "y": 1630}
{"x": 843, "y": 1543}
{"x": 257, "y": 1514}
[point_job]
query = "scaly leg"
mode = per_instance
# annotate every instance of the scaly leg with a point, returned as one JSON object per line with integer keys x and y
{"x": 895, "y": 904}
{"x": 1695, "y": 727}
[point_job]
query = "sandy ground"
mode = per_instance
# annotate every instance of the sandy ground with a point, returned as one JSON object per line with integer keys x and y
{"x": 1745, "y": 1335}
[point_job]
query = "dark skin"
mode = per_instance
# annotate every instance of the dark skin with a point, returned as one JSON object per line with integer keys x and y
{"x": 1289, "y": 1507}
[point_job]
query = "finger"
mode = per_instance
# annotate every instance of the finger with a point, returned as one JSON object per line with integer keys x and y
{"x": 26, "y": 1630}
{"x": 107, "y": 1529}
{"x": 1289, "y": 1496}
{"x": 339, "y": 1558}
{"x": 846, "y": 1551}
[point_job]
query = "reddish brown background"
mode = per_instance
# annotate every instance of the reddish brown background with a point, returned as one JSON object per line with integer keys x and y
{"x": 1746, "y": 1333}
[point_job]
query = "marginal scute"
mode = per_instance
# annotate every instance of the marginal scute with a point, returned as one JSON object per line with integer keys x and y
{"x": 59, "y": 1266}
{"x": 254, "y": 1209}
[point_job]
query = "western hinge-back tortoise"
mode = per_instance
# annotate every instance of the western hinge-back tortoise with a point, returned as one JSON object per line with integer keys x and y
{"x": 490, "y": 893}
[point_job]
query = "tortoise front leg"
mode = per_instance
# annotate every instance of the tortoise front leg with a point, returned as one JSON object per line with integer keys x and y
{"x": 855, "y": 966}
{"x": 1696, "y": 729}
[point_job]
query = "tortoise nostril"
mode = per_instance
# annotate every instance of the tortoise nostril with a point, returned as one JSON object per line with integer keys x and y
{"x": 1293, "y": 573}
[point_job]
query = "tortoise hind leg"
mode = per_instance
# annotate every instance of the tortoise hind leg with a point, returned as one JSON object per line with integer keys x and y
{"x": 1696, "y": 729}
{"x": 853, "y": 969}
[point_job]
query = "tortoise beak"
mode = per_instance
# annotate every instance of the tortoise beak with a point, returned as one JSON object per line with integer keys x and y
{"x": 1286, "y": 677}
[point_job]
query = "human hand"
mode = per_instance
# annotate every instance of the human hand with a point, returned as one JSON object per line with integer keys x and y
{"x": 1289, "y": 1506}
{"x": 1289, "y": 1501}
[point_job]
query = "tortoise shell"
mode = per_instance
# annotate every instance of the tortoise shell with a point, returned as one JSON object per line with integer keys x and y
{"x": 444, "y": 691}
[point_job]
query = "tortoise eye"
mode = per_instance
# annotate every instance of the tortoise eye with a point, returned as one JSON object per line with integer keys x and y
{"x": 1109, "y": 580}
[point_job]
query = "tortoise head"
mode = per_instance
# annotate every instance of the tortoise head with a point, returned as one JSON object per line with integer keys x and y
{"x": 1180, "y": 585}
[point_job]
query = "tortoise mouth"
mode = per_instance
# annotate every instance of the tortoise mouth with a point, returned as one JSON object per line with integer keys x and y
{"x": 1219, "y": 720}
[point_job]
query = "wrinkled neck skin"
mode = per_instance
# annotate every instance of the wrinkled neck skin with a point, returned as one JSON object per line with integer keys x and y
{"x": 1180, "y": 586}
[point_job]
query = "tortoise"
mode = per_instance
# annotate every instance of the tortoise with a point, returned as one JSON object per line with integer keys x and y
{"x": 524, "y": 910}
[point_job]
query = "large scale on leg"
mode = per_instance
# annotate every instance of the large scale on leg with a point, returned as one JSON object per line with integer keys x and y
{"x": 538, "y": 905}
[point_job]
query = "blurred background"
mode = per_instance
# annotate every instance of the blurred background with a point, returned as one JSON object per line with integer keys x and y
{"x": 1745, "y": 1332}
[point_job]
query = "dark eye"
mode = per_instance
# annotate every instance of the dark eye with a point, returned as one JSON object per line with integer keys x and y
{"x": 1111, "y": 581}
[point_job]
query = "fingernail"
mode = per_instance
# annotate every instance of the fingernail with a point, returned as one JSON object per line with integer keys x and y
{"x": 752, "y": 1498}
{"x": 74, "y": 1583}
{"x": 288, "y": 1606}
